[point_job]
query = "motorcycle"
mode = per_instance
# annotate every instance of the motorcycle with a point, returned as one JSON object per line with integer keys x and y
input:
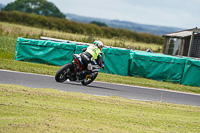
{"x": 75, "y": 71}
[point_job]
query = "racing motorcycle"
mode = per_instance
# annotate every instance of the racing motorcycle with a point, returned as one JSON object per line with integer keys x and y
{"x": 75, "y": 71}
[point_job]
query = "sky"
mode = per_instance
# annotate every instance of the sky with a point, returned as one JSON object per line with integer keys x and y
{"x": 172, "y": 13}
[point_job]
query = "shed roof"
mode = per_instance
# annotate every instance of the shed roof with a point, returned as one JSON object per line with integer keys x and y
{"x": 182, "y": 34}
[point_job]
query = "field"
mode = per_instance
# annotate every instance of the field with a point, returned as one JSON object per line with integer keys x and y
{"x": 46, "y": 110}
{"x": 26, "y": 109}
{"x": 29, "y": 32}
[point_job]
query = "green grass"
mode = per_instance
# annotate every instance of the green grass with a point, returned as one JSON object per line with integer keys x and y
{"x": 7, "y": 47}
{"x": 26, "y": 109}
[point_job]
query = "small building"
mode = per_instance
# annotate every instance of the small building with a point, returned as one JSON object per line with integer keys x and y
{"x": 183, "y": 43}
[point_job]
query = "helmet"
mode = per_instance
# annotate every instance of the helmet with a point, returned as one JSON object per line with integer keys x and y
{"x": 149, "y": 50}
{"x": 99, "y": 44}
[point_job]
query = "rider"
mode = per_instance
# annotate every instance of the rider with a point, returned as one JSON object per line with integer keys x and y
{"x": 92, "y": 53}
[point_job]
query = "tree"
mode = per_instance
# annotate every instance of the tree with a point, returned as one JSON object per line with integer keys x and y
{"x": 99, "y": 23}
{"x": 41, "y": 7}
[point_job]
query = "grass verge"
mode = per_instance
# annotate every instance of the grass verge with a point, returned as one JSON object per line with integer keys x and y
{"x": 26, "y": 109}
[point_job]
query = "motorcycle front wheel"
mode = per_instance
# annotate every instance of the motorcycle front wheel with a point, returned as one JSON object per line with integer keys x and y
{"x": 90, "y": 79}
{"x": 63, "y": 73}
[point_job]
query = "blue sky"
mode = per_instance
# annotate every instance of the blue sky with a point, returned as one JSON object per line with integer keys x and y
{"x": 173, "y": 13}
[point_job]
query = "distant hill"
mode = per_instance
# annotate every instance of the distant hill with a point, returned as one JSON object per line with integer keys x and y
{"x": 153, "y": 29}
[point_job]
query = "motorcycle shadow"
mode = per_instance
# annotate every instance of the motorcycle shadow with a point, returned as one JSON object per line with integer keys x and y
{"x": 92, "y": 85}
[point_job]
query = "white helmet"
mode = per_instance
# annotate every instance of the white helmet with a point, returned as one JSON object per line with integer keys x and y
{"x": 99, "y": 44}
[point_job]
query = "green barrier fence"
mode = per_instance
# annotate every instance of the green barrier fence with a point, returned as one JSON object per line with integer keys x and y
{"x": 42, "y": 51}
{"x": 191, "y": 74}
{"x": 117, "y": 61}
{"x": 79, "y": 48}
{"x": 157, "y": 66}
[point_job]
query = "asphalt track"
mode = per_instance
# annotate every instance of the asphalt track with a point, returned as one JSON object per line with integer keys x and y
{"x": 99, "y": 88}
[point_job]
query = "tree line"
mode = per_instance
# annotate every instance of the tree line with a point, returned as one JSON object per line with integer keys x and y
{"x": 65, "y": 25}
{"x": 41, "y": 7}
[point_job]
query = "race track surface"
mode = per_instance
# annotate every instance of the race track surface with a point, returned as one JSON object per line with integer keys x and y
{"x": 99, "y": 88}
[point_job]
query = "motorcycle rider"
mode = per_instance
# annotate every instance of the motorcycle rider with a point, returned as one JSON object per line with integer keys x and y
{"x": 92, "y": 53}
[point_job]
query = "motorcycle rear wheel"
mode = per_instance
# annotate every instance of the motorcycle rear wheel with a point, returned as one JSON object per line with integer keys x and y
{"x": 63, "y": 72}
